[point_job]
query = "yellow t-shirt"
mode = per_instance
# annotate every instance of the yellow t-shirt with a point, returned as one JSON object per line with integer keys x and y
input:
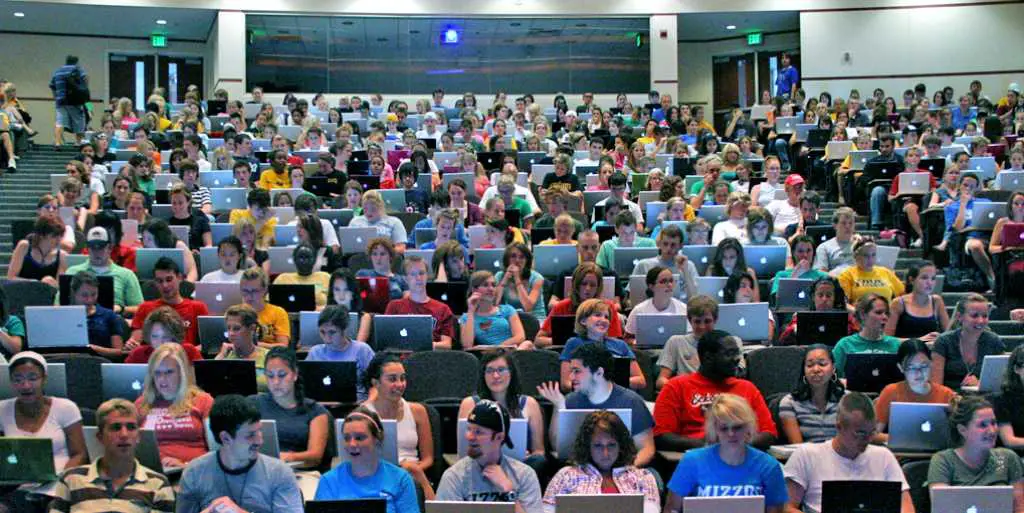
{"x": 273, "y": 322}
{"x": 880, "y": 280}
{"x": 553, "y": 242}
{"x": 271, "y": 179}
{"x": 319, "y": 279}
{"x": 264, "y": 233}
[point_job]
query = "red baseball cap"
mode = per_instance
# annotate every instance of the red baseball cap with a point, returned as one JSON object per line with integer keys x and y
{"x": 794, "y": 179}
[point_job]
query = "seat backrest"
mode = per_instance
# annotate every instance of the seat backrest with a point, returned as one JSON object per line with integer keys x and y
{"x": 536, "y": 367}
{"x": 773, "y": 402}
{"x": 647, "y": 361}
{"x": 22, "y": 293}
{"x": 530, "y": 325}
{"x": 440, "y": 374}
{"x": 775, "y": 369}
{"x": 409, "y": 219}
{"x": 916, "y": 473}
{"x": 437, "y": 470}
{"x": 84, "y": 377}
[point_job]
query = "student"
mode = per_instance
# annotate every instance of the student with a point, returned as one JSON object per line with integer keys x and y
{"x": 909, "y": 205}
{"x": 919, "y": 314}
{"x": 199, "y": 234}
{"x": 958, "y": 217}
{"x": 617, "y": 189}
{"x": 759, "y": 231}
{"x": 252, "y": 254}
{"x": 592, "y": 325}
{"x": 236, "y": 477}
{"x": 808, "y": 413}
{"x": 802, "y": 251}
{"x": 229, "y": 255}
{"x": 302, "y": 423}
{"x": 728, "y": 466}
{"x": 591, "y": 366}
{"x": 786, "y": 212}
{"x": 872, "y": 312}
{"x": 486, "y": 323}
{"x": 676, "y": 209}
{"x": 105, "y": 327}
{"x": 864, "y": 277}
{"x": 304, "y": 257}
{"x": 174, "y": 407}
{"x": 156, "y": 233}
{"x": 826, "y": 296}
{"x": 415, "y": 200}
{"x": 729, "y": 259}
{"x": 587, "y": 283}
{"x": 332, "y": 324}
{"x": 740, "y": 289}
{"x": 519, "y": 285}
{"x": 836, "y": 254}
{"x": 764, "y": 192}
{"x": 127, "y": 292}
{"x": 274, "y": 326}
{"x": 418, "y": 303}
{"x": 163, "y": 326}
{"x": 143, "y": 489}
{"x": 960, "y": 352}
{"x": 846, "y": 457}
{"x": 661, "y": 285}
{"x": 506, "y": 191}
{"x": 276, "y": 176}
{"x": 679, "y": 356}
{"x": 558, "y": 204}
{"x": 258, "y": 212}
{"x": 374, "y": 216}
{"x": 38, "y": 256}
{"x": 915, "y": 362}
{"x": 382, "y": 254}
{"x": 736, "y": 206}
{"x": 625, "y": 237}
{"x": 1008, "y": 413}
{"x": 364, "y": 474}
{"x": 563, "y": 179}
{"x": 343, "y": 293}
{"x": 243, "y": 334}
{"x": 669, "y": 241}
{"x": 810, "y": 202}
{"x": 167, "y": 278}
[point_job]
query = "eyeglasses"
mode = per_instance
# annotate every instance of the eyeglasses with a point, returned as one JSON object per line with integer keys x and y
{"x": 496, "y": 371}
{"x": 920, "y": 369}
{"x": 666, "y": 281}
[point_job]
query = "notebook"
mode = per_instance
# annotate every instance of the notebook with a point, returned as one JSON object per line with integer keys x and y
{"x": 354, "y": 239}
{"x": 222, "y": 377}
{"x": 794, "y": 295}
{"x": 861, "y": 496}
{"x": 748, "y": 321}
{"x": 972, "y": 499}
{"x": 145, "y": 259}
{"x": 654, "y": 330}
{"x": 596, "y": 503}
{"x": 553, "y": 259}
{"x": 123, "y": 380}
{"x": 26, "y": 460}
{"x": 218, "y": 297}
{"x": 871, "y": 372}
{"x": 918, "y": 427}
{"x": 403, "y": 332}
{"x": 821, "y": 327}
{"x": 454, "y": 294}
{"x": 752, "y": 504}
{"x": 294, "y": 298}
{"x": 57, "y": 326}
{"x": 331, "y": 382}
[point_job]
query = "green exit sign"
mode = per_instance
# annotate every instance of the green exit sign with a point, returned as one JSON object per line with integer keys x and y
{"x": 755, "y": 39}
{"x": 158, "y": 40}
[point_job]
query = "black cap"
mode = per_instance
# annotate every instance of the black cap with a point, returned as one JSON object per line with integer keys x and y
{"x": 493, "y": 416}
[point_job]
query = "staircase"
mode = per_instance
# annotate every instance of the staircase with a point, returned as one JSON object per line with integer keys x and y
{"x": 19, "y": 191}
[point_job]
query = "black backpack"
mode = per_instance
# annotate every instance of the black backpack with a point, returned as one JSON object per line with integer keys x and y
{"x": 76, "y": 91}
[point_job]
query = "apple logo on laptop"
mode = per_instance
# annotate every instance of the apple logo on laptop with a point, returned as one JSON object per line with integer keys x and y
{"x": 12, "y": 459}
{"x": 291, "y": 299}
{"x": 359, "y": 240}
{"x": 821, "y": 328}
{"x": 228, "y": 200}
{"x": 327, "y": 381}
{"x": 721, "y": 292}
{"x": 802, "y": 295}
{"x": 444, "y": 297}
{"x": 136, "y": 385}
{"x": 926, "y": 427}
{"x": 972, "y": 509}
{"x": 219, "y": 298}
{"x": 991, "y": 215}
{"x": 661, "y": 330}
{"x": 635, "y": 261}
{"x": 295, "y": 239}
{"x": 290, "y": 261}
{"x": 404, "y": 332}
{"x": 216, "y": 182}
{"x": 913, "y": 183}
{"x": 704, "y": 259}
{"x": 742, "y": 322}
{"x": 1021, "y": 235}
{"x": 764, "y": 260}
{"x": 875, "y": 373}
{"x": 497, "y": 264}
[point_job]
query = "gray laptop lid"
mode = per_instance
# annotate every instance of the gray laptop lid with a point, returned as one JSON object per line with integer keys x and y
{"x": 713, "y": 213}
{"x": 1010, "y": 180}
{"x": 56, "y": 381}
{"x": 914, "y": 183}
{"x": 354, "y": 239}
{"x": 208, "y": 260}
{"x": 228, "y": 198}
{"x": 286, "y": 235}
{"x": 653, "y": 330}
{"x": 57, "y": 326}
{"x": 752, "y": 504}
{"x": 390, "y": 450}
{"x": 218, "y": 231}
{"x": 489, "y": 259}
{"x": 123, "y": 380}
{"x": 338, "y": 217}
{"x": 765, "y": 260}
{"x": 394, "y": 199}
{"x": 918, "y": 427}
{"x": 281, "y": 259}
{"x": 220, "y": 178}
{"x": 700, "y": 255}
{"x": 859, "y": 158}
{"x": 625, "y": 259}
{"x": 599, "y": 503}
{"x": 984, "y": 167}
{"x": 403, "y": 332}
{"x": 26, "y": 460}
{"x": 713, "y": 286}
{"x": 984, "y": 215}
{"x": 993, "y": 367}
{"x": 145, "y": 259}
{"x": 794, "y": 294}
{"x": 748, "y": 321}
{"x": 212, "y": 333}
{"x": 886, "y": 256}
{"x": 972, "y": 499}
{"x": 218, "y": 297}
{"x": 569, "y": 422}
{"x": 551, "y": 260}
{"x": 517, "y": 432}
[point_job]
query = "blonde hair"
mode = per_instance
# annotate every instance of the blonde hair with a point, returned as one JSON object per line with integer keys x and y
{"x": 116, "y": 405}
{"x": 372, "y": 196}
{"x": 187, "y": 389}
{"x": 731, "y": 409}
{"x": 586, "y": 309}
{"x": 564, "y": 219}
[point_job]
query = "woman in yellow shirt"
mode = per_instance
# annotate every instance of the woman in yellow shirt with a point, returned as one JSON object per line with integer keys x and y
{"x": 865, "y": 277}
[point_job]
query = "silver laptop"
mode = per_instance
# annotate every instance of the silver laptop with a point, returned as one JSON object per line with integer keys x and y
{"x": 309, "y": 330}
{"x": 637, "y": 288}
{"x": 654, "y": 209}
{"x": 700, "y": 255}
{"x": 477, "y": 235}
{"x": 225, "y": 199}
{"x": 403, "y": 332}
{"x": 984, "y": 215}
{"x": 56, "y": 381}
{"x": 208, "y": 259}
{"x": 914, "y": 183}
{"x": 469, "y": 178}
{"x": 489, "y": 259}
{"x": 217, "y": 179}
{"x": 218, "y": 297}
{"x": 607, "y": 286}
{"x": 68, "y": 215}
{"x": 838, "y": 150}
{"x": 972, "y": 499}
{"x": 765, "y": 260}
{"x": 752, "y": 504}
{"x": 653, "y": 330}
{"x": 123, "y": 380}
{"x": 859, "y": 158}
{"x": 468, "y": 507}
{"x": 161, "y": 211}
{"x": 57, "y": 326}
{"x": 446, "y": 159}
{"x": 918, "y": 427}
{"x": 569, "y": 422}
{"x": 591, "y": 198}
{"x": 286, "y": 235}
{"x": 992, "y": 369}
{"x": 984, "y": 167}
{"x": 551, "y": 260}
{"x": 713, "y": 286}
{"x": 599, "y": 503}
{"x": 625, "y": 259}
{"x": 271, "y": 445}
{"x": 1010, "y": 180}
{"x": 390, "y": 450}
{"x": 645, "y": 197}
{"x": 284, "y": 215}
{"x": 165, "y": 181}
{"x": 517, "y": 432}
{"x": 354, "y": 239}
{"x": 748, "y": 321}
{"x": 338, "y": 217}
{"x": 539, "y": 171}
{"x": 794, "y": 295}
{"x": 786, "y": 125}
{"x": 713, "y": 213}
{"x": 219, "y": 231}
{"x": 886, "y": 256}
{"x": 802, "y": 129}
{"x": 394, "y": 199}
{"x": 145, "y": 259}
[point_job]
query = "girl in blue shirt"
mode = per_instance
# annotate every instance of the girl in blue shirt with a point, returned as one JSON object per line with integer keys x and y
{"x": 593, "y": 318}
{"x": 487, "y": 323}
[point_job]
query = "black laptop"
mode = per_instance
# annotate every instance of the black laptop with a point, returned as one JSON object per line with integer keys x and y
{"x": 329, "y": 382}
{"x": 871, "y": 372}
{"x": 682, "y": 166}
{"x": 294, "y": 298}
{"x": 106, "y": 291}
{"x": 821, "y": 327}
{"x": 538, "y": 235}
{"x": 348, "y": 506}
{"x": 861, "y": 496}
{"x": 818, "y": 138}
{"x": 491, "y": 160}
{"x": 223, "y": 377}
{"x": 563, "y": 327}
{"x": 820, "y": 233}
{"x": 934, "y": 166}
{"x": 320, "y": 186}
{"x": 452, "y": 293}
{"x": 882, "y": 170}
{"x": 369, "y": 182}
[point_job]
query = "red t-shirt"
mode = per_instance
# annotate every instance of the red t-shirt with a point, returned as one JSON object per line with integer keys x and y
{"x": 182, "y": 436}
{"x": 445, "y": 324}
{"x": 188, "y": 309}
{"x": 564, "y": 307}
{"x": 142, "y": 353}
{"x": 681, "y": 404}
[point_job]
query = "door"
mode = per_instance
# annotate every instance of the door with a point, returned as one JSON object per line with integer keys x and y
{"x": 131, "y": 76}
{"x": 177, "y": 73}
{"x": 733, "y": 85}
{"x": 768, "y": 64}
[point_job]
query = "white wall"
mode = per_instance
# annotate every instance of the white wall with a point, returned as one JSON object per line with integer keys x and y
{"x": 28, "y": 61}
{"x": 916, "y": 44}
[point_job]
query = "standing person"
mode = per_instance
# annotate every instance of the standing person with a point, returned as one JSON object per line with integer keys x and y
{"x": 236, "y": 478}
{"x": 70, "y": 86}
{"x": 788, "y": 79}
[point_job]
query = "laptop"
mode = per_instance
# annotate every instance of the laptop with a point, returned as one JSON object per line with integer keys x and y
{"x": 389, "y": 452}
{"x": 212, "y": 333}
{"x": 338, "y": 217}
{"x": 526, "y": 159}
{"x": 817, "y": 138}
{"x": 517, "y": 432}
{"x": 860, "y": 158}
{"x": 57, "y": 326}
{"x": 592, "y": 198}
{"x": 985, "y": 214}
{"x": 219, "y": 231}
{"x": 1009, "y": 180}
{"x": 934, "y": 166}
{"x": 228, "y": 198}
{"x": 625, "y": 259}
{"x": 569, "y": 422}
{"x": 607, "y": 286}
{"x": 56, "y": 384}
{"x": 281, "y": 259}
{"x": 145, "y": 260}
{"x": 786, "y": 125}
{"x": 294, "y": 298}
{"x": 354, "y": 239}
{"x": 309, "y": 330}
{"x": 914, "y": 183}
{"x": 882, "y": 170}
{"x": 453, "y": 293}
{"x": 871, "y": 372}
{"x": 713, "y": 213}
{"x": 918, "y": 427}
{"x": 765, "y": 260}
{"x": 218, "y": 297}
{"x": 223, "y": 377}
{"x": 348, "y": 506}
{"x": 539, "y": 171}
{"x": 489, "y": 259}
{"x": 713, "y": 286}
{"x": 403, "y": 332}
{"x": 26, "y": 460}
{"x": 468, "y": 507}
{"x": 861, "y": 496}
{"x": 752, "y": 504}
{"x": 654, "y": 330}
{"x": 551, "y": 260}
{"x": 993, "y": 367}
{"x": 820, "y": 233}
{"x": 217, "y": 178}
{"x": 972, "y": 499}
{"x": 701, "y": 256}
{"x": 838, "y": 150}
{"x": 595, "y": 503}
{"x": 563, "y": 328}
{"x": 748, "y": 321}
{"x": 286, "y": 235}
{"x": 984, "y": 167}
{"x": 801, "y": 130}
{"x": 123, "y": 380}
{"x": 794, "y": 295}
{"x": 329, "y": 382}
{"x": 375, "y": 293}
{"x": 886, "y": 256}
{"x": 821, "y": 327}
{"x": 394, "y": 199}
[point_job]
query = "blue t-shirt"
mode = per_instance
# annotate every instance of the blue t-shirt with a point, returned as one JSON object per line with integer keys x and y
{"x": 103, "y": 324}
{"x": 359, "y": 352}
{"x": 512, "y": 298}
{"x": 390, "y": 482}
{"x": 460, "y": 233}
{"x": 787, "y": 77}
{"x": 396, "y": 282}
{"x": 952, "y": 209}
{"x": 618, "y": 348}
{"x": 621, "y": 398}
{"x": 702, "y": 473}
{"x": 492, "y": 330}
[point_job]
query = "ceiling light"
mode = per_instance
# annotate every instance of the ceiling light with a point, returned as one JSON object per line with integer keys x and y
{"x": 19, "y": 15}
{"x": 730, "y": 27}
{"x": 161, "y": 22}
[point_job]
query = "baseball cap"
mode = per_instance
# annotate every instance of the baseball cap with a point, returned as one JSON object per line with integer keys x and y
{"x": 493, "y": 416}
{"x": 1015, "y": 87}
{"x": 794, "y": 179}
{"x": 97, "y": 237}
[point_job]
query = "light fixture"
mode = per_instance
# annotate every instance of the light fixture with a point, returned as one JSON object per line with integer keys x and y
{"x": 19, "y": 15}
{"x": 161, "y": 22}
{"x": 730, "y": 27}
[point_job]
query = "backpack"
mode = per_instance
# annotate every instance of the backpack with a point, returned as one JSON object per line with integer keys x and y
{"x": 76, "y": 92}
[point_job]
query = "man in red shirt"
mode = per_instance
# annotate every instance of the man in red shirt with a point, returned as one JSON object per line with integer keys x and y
{"x": 679, "y": 410}
{"x": 167, "y": 277}
{"x": 419, "y": 303}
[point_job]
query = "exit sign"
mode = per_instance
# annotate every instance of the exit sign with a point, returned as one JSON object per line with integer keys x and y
{"x": 755, "y": 39}
{"x": 158, "y": 40}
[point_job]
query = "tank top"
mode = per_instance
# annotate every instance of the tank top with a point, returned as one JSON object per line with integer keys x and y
{"x": 32, "y": 270}
{"x": 408, "y": 438}
{"x": 766, "y": 193}
{"x": 910, "y": 326}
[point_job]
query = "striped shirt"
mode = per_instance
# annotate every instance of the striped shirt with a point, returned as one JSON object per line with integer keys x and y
{"x": 200, "y": 196}
{"x": 815, "y": 425}
{"x": 83, "y": 490}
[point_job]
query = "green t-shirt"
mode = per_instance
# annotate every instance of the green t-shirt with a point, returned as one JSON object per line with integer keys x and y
{"x": 858, "y": 344}
{"x": 708, "y": 194}
{"x": 1003, "y": 468}
{"x": 127, "y": 291}
{"x": 606, "y": 255}
{"x": 786, "y": 274}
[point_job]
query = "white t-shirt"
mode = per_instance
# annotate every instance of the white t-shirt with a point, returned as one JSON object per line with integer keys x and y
{"x": 387, "y": 226}
{"x": 330, "y": 232}
{"x": 813, "y": 463}
{"x": 736, "y": 229}
{"x": 219, "y": 276}
{"x": 63, "y": 413}
{"x": 784, "y": 214}
{"x": 675, "y": 307}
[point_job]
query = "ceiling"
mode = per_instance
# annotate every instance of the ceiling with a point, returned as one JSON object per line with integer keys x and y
{"x": 705, "y": 26}
{"x": 106, "y": 20}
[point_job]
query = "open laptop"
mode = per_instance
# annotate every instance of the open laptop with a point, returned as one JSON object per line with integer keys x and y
{"x": 228, "y": 198}
{"x": 838, "y": 150}
{"x": 354, "y": 239}
{"x": 972, "y": 499}
{"x": 713, "y": 214}
{"x": 569, "y": 422}
{"x": 886, "y": 256}
{"x": 26, "y": 460}
{"x": 563, "y": 328}
{"x": 375, "y": 293}
{"x": 918, "y": 427}
{"x": 453, "y": 293}
{"x": 57, "y": 326}
{"x": 861, "y": 496}
{"x": 218, "y": 297}
{"x": 489, "y": 259}
{"x": 882, "y": 170}
{"x": 394, "y": 199}
{"x": 468, "y": 507}
{"x": 984, "y": 167}
{"x": 286, "y": 235}
{"x": 821, "y": 327}
{"x": 389, "y": 452}
{"x": 339, "y": 217}
{"x": 700, "y": 255}
{"x": 820, "y": 233}
{"x": 56, "y": 383}
{"x": 219, "y": 231}
{"x": 860, "y": 158}
{"x": 329, "y": 381}
{"x": 1010, "y": 180}
{"x": 145, "y": 259}
{"x": 871, "y": 372}
{"x": 765, "y": 260}
{"x": 551, "y": 260}
{"x": 654, "y": 330}
{"x": 713, "y": 286}
{"x": 212, "y": 333}
{"x": 517, "y": 432}
{"x": 403, "y": 332}
{"x": 123, "y": 380}
{"x": 625, "y": 259}
{"x": 294, "y": 298}
{"x": 985, "y": 214}
{"x": 594, "y": 503}
{"x": 817, "y": 138}
{"x": 347, "y": 505}
{"x": 794, "y": 295}
{"x": 934, "y": 166}
{"x": 222, "y": 377}
{"x": 309, "y": 330}
{"x": 752, "y": 504}
{"x": 748, "y": 321}
{"x": 993, "y": 367}
{"x": 607, "y": 286}
{"x": 914, "y": 183}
